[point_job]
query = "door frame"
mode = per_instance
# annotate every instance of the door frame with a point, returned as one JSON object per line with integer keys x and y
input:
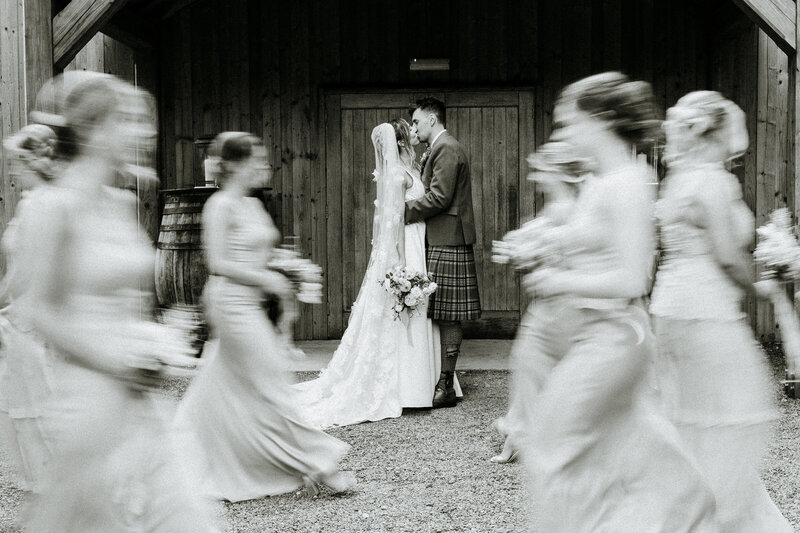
{"x": 492, "y": 324}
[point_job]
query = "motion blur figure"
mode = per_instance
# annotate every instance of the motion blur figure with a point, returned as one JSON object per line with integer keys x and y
{"x": 241, "y": 413}
{"x": 713, "y": 376}
{"x": 26, "y": 377}
{"x": 113, "y": 467}
{"x": 599, "y": 454}
{"x": 558, "y": 174}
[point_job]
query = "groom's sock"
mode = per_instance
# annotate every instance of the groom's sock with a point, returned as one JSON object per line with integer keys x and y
{"x": 451, "y": 344}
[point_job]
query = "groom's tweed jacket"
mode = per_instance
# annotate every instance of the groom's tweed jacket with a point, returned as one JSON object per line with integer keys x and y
{"x": 446, "y": 207}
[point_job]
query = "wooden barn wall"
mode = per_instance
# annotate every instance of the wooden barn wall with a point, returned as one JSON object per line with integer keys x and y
{"x": 748, "y": 67}
{"x": 26, "y": 61}
{"x": 244, "y": 65}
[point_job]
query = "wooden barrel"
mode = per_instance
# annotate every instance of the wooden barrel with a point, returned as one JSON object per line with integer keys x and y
{"x": 180, "y": 264}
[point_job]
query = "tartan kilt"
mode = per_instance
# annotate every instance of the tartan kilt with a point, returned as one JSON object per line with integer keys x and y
{"x": 456, "y": 296}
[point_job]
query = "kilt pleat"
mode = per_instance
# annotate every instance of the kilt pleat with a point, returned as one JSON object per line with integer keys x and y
{"x": 456, "y": 296}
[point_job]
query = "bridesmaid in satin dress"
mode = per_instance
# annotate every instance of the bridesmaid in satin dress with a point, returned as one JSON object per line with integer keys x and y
{"x": 26, "y": 379}
{"x": 241, "y": 413}
{"x": 713, "y": 375}
{"x": 558, "y": 174}
{"x": 600, "y": 455}
{"x": 115, "y": 467}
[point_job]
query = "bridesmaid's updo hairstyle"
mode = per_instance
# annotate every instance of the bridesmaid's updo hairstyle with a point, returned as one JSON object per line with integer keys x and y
{"x": 628, "y": 106}
{"x": 88, "y": 105}
{"x": 711, "y": 117}
{"x": 35, "y": 144}
{"x": 228, "y": 150}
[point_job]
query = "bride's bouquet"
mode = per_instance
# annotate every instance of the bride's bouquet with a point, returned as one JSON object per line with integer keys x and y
{"x": 409, "y": 289}
{"x": 533, "y": 245}
{"x": 778, "y": 252}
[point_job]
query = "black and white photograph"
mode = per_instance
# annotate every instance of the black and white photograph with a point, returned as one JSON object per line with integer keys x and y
{"x": 522, "y": 266}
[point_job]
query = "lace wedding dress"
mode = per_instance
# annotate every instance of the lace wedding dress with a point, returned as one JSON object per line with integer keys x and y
{"x": 381, "y": 365}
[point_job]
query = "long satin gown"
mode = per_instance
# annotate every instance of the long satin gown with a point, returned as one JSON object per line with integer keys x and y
{"x": 116, "y": 466}
{"x": 26, "y": 378}
{"x": 382, "y": 365}
{"x": 712, "y": 374}
{"x": 600, "y": 456}
{"x": 241, "y": 413}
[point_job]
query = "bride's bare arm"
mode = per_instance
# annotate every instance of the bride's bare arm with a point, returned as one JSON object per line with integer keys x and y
{"x": 217, "y": 222}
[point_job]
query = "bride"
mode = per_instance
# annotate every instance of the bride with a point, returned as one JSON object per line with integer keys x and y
{"x": 383, "y": 364}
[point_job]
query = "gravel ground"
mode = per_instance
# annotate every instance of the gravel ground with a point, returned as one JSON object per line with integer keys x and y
{"x": 428, "y": 471}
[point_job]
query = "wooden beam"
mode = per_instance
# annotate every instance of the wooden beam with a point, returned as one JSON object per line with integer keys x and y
{"x": 77, "y": 23}
{"x": 776, "y": 18}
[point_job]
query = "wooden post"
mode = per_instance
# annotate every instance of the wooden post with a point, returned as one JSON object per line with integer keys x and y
{"x": 793, "y": 150}
{"x": 26, "y": 62}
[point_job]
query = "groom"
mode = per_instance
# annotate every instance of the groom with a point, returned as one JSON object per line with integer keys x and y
{"x": 446, "y": 209}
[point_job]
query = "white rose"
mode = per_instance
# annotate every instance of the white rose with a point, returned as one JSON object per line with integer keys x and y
{"x": 410, "y": 300}
{"x": 417, "y": 293}
{"x": 405, "y": 285}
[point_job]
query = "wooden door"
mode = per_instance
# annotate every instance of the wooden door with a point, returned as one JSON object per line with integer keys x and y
{"x": 495, "y": 128}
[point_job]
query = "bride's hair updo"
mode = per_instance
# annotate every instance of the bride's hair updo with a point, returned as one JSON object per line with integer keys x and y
{"x": 402, "y": 132}
{"x": 709, "y": 116}
{"x": 227, "y": 150}
{"x": 628, "y": 106}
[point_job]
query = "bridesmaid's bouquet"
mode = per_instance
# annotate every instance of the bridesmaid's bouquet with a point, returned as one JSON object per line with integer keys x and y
{"x": 529, "y": 247}
{"x": 409, "y": 289}
{"x": 778, "y": 250}
{"x": 158, "y": 350}
{"x": 305, "y": 276}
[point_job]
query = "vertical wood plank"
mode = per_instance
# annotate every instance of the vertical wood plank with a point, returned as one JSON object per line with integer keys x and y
{"x": 348, "y": 216}
{"x": 335, "y": 211}
{"x": 527, "y": 189}
{"x": 12, "y": 110}
{"x": 512, "y": 197}
{"x": 495, "y": 231}
{"x": 475, "y": 149}
{"x": 38, "y": 42}
{"x": 489, "y": 181}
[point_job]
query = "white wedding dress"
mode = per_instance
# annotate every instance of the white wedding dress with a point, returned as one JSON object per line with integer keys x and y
{"x": 381, "y": 365}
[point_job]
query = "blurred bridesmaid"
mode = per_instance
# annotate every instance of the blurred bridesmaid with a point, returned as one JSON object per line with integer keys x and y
{"x": 558, "y": 174}
{"x": 600, "y": 455}
{"x": 711, "y": 371}
{"x": 26, "y": 380}
{"x": 242, "y": 411}
{"x": 114, "y": 465}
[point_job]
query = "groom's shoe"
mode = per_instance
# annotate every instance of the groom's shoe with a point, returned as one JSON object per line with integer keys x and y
{"x": 444, "y": 395}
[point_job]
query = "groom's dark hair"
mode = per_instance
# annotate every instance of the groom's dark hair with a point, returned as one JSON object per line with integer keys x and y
{"x": 432, "y": 105}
